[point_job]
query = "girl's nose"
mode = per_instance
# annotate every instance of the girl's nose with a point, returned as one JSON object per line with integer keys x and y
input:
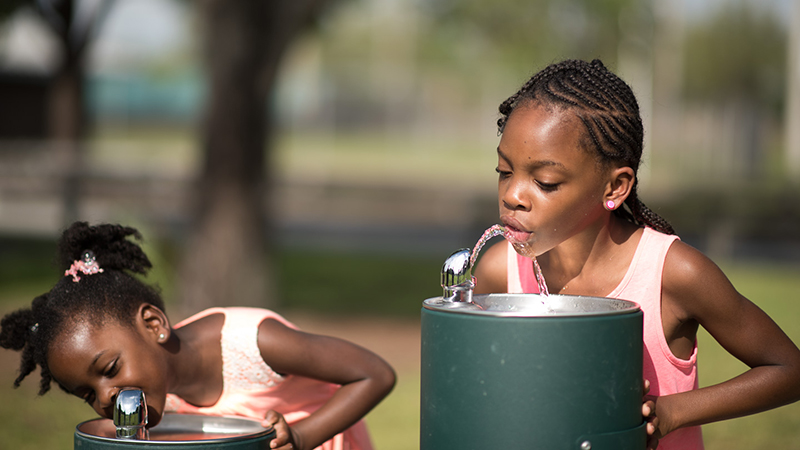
{"x": 106, "y": 397}
{"x": 514, "y": 197}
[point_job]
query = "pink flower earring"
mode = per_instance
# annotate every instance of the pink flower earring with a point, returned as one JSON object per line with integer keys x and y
{"x": 610, "y": 205}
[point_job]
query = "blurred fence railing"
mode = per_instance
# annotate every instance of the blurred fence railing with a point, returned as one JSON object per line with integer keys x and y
{"x": 358, "y": 215}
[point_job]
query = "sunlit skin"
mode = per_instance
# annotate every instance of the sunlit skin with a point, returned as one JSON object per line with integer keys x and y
{"x": 551, "y": 195}
{"x": 94, "y": 361}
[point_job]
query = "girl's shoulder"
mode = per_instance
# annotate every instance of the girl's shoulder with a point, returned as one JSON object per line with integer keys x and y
{"x": 491, "y": 269}
{"x": 205, "y": 327}
{"x": 209, "y": 324}
{"x": 685, "y": 266}
{"x": 235, "y": 316}
{"x": 217, "y": 313}
{"x": 692, "y": 284}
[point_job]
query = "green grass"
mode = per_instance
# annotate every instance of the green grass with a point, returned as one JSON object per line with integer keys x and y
{"x": 347, "y": 283}
{"x": 32, "y": 422}
{"x": 394, "y": 424}
{"x": 370, "y": 283}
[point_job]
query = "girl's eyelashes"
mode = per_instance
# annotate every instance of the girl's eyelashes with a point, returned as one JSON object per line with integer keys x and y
{"x": 548, "y": 187}
{"x": 112, "y": 369}
{"x": 502, "y": 173}
{"x": 87, "y": 397}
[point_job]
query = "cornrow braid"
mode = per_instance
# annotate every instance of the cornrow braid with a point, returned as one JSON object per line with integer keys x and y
{"x": 608, "y": 109}
{"x": 114, "y": 294}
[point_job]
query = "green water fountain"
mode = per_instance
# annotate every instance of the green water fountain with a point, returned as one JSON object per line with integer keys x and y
{"x": 528, "y": 371}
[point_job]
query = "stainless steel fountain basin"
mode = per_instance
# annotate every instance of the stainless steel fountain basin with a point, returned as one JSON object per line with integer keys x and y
{"x": 534, "y": 305}
{"x": 184, "y": 431}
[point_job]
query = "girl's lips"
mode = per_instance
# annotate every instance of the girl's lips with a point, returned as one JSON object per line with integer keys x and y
{"x": 514, "y": 231}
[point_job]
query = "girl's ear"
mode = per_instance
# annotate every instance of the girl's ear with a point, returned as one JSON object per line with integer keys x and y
{"x": 619, "y": 187}
{"x": 155, "y": 322}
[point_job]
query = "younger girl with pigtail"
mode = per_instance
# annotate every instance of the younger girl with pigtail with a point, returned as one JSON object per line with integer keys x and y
{"x": 570, "y": 147}
{"x": 100, "y": 329}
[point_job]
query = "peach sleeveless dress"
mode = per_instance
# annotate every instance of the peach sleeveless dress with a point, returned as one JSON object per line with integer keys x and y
{"x": 667, "y": 373}
{"x": 251, "y": 387}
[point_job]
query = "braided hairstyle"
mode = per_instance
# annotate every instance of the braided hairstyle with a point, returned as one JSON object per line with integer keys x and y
{"x": 608, "y": 109}
{"x": 113, "y": 294}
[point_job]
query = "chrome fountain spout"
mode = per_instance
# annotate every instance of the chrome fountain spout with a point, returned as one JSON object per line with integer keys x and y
{"x": 457, "y": 280}
{"x": 130, "y": 414}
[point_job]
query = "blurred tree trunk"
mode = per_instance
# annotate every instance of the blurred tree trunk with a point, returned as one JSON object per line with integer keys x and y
{"x": 67, "y": 129}
{"x": 226, "y": 259}
{"x": 67, "y": 122}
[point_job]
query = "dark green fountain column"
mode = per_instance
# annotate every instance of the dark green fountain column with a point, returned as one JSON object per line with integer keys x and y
{"x": 546, "y": 383}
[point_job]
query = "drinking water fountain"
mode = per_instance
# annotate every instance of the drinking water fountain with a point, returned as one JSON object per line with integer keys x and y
{"x": 128, "y": 430}
{"x": 528, "y": 370}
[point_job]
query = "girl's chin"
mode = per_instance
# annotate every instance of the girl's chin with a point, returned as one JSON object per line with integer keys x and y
{"x": 153, "y": 417}
{"x": 524, "y": 249}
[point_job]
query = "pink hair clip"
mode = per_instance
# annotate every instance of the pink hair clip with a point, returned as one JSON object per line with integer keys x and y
{"x": 87, "y": 265}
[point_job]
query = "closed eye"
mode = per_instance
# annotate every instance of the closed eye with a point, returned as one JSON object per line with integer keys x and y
{"x": 503, "y": 173}
{"x": 88, "y": 397}
{"x": 112, "y": 369}
{"x": 548, "y": 187}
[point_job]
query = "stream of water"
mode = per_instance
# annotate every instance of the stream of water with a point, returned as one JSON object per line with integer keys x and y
{"x": 499, "y": 230}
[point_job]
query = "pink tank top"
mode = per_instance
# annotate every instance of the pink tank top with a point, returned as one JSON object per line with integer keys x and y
{"x": 667, "y": 373}
{"x": 251, "y": 388}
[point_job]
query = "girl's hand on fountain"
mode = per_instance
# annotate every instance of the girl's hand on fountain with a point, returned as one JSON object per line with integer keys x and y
{"x": 649, "y": 413}
{"x": 285, "y": 438}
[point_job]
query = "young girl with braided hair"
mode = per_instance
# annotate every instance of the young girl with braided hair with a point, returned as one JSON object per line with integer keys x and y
{"x": 570, "y": 147}
{"x": 100, "y": 329}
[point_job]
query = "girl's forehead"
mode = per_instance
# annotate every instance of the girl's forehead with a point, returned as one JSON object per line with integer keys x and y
{"x": 74, "y": 332}
{"x": 542, "y": 121}
{"x": 70, "y": 349}
{"x": 82, "y": 329}
{"x": 541, "y": 129}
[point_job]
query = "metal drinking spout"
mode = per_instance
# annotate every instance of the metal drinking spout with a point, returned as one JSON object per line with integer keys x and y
{"x": 130, "y": 414}
{"x": 457, "y": 279}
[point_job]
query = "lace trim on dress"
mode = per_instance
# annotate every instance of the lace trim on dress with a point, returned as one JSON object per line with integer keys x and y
{"x": 242, "y": 364}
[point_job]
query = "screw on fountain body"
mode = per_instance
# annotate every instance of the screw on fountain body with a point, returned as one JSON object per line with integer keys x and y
{"x": 130, "y": 414}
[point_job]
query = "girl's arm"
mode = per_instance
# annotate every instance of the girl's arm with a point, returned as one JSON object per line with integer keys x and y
{"x": 364, "y": 377}
{"x": 695, "y": 291}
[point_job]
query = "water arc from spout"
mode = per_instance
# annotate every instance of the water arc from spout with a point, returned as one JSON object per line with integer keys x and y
{"x": 499, "y": 230}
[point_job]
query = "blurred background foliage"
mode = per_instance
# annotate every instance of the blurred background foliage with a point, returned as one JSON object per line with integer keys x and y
{"x": 400, "y": 97}
{"x": 757, "y": 67}
{"x": 525, "y": 35}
